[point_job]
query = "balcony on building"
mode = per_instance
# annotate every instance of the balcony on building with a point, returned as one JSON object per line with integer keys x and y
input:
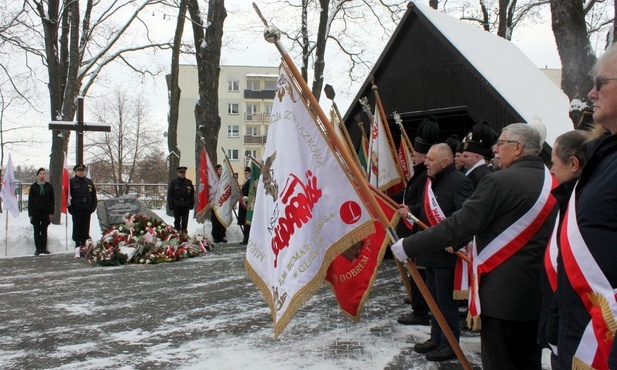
{"x": 257, "y": 117}
{"x": 259, "y": 94}
{"x": 255, "y": 140}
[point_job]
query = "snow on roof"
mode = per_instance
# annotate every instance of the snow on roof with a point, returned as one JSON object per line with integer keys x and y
{"x": 509, "y": 71}
{"x": 262, "y": 75}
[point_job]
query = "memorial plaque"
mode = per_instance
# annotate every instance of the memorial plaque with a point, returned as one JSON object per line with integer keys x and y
{"x": 114, "y": 212}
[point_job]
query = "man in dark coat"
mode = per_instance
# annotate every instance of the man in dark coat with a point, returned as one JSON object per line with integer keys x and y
{"x": 41, "y": 209}
{"x": 243, "y": 208}
{"x": 181, "y": 199}
{"x": 427, "y": 135}
{"x": 510, "y": 216}
{"x": 446, "y": 190}
{"x": 586, "y": 288}
{"x": 83, "y": 204}
{"x": 476, "y": 149}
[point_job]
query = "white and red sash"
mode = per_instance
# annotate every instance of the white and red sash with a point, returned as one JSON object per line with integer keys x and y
{"x": 433, "y": 211}
{"x": 595, "y": 291}
{"x": 550, "y": 257}
{"x": 510, "y": 241}
{"x": 462, "y": 274}
{"x": 435, "y": 215}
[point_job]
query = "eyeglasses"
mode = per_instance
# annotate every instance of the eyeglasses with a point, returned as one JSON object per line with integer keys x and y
{"x": 599, "y": 82}
{"x": 500, "y": 142}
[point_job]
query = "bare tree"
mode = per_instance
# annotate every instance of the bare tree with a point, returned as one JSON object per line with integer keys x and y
{"x": 132, "y": 137}
{"x": 208, "y": 39}
{"x": 174, "y": 95}
{"x": 344, "y": 22}
{"x": 150, "y": 168}
{"x": 75, "y": 40}
{"x": 573, "y": 23}
{"x": 499, "y": 16}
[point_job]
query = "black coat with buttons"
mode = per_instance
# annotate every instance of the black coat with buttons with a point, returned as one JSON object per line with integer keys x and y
{"x": 180, "y": 193}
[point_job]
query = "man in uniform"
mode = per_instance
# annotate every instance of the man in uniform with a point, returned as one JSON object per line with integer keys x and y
{"x": 181, "y": 199}
{"x": 83, "y": 204}
{"x": 477, "y": 147}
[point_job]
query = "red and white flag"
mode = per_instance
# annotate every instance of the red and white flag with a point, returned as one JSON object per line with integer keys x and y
{"x": 307, "y": 210}
{"x": 383, "y": 165}
{"x": 208, "y": 185}
{"x": 405, "y": 158}
{"x": 9, "y": 198}
{"x": 228, "y": 193}
{"x": 66, "y": 189}
{"x": 351, "y": 274}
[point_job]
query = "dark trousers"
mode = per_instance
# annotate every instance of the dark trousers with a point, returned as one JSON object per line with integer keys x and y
{"x": 246, "y": 231}
{"x": 181, "y": 218}
{"x": 218, "y": 230}
{"x": 40, "y": 222}
{"x": 440, "y": 282}
{"x": 418, "y": 303}
{"x": 510, "y": 345}
{"x": 81, "y": 227}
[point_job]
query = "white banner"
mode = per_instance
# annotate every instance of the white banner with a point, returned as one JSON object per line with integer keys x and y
{"x": 9, "y": 198}
{"x": 306, "y": 209}
{"x": 383, "y": 164}
{"x": 227, "y": 195}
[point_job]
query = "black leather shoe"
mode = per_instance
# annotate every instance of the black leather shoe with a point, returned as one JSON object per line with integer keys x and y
{"x": 45, "y": 252}
{"x": 406, "y": 300}
{"x": 426, "y": 347}
{"x": 411, "y": 319}
{"x": 441, "y": 354}
{"x": 37, "y": 253}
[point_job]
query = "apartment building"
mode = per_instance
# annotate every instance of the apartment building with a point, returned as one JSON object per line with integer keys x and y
{"x": 246, "y": 95}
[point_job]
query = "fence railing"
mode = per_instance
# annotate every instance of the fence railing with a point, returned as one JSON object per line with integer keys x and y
{"x": 152, "y": 196}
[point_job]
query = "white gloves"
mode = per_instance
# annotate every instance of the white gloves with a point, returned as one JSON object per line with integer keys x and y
{"x": 398, "y": 251}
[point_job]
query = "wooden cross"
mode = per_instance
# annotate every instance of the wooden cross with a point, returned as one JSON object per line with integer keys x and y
{"x": 80, "y": 127}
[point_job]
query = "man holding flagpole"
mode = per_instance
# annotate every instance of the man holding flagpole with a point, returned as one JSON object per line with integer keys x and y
{"x": 445, "y": 191}
{"x": 510, "y": 217}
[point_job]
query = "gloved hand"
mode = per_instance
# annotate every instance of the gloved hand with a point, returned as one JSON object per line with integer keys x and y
{"x": 398, "y": 251}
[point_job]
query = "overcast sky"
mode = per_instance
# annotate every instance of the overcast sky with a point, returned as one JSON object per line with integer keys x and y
{"x": 536, "y": 41}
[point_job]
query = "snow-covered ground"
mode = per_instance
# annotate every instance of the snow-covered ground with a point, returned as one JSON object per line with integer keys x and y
{"x": 17, "y": 238}
{"x": 57, "y": 312}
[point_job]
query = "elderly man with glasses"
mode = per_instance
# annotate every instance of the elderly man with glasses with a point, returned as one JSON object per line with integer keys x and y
{"x": 587, "y": 281}
{"x": 510, "y": 218}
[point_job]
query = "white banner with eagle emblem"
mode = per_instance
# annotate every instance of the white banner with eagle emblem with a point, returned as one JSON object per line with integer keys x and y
{"x": 307, "y": 211}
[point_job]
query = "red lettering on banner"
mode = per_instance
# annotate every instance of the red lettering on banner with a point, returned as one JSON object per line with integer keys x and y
{"x": 226, "y": 195}
{"x": 299, "y": 200}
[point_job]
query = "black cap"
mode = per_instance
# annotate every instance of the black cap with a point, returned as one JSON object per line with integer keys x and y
{"x": 79, "y": 167}
{"x": 480, "y": 139}
{"x": 428, "y": 134}
{"x": 181, "y": 169}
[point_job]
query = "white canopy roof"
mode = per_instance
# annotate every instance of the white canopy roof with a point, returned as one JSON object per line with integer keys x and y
{"x": 509, "y": 71}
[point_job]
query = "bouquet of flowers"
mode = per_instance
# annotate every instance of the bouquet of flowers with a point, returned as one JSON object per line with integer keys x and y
{"x": 141, "y": 240}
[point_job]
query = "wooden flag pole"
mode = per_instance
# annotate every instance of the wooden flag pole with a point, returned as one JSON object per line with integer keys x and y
{"x": 272, "y": 35}
{"x": 330, "y": 94}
